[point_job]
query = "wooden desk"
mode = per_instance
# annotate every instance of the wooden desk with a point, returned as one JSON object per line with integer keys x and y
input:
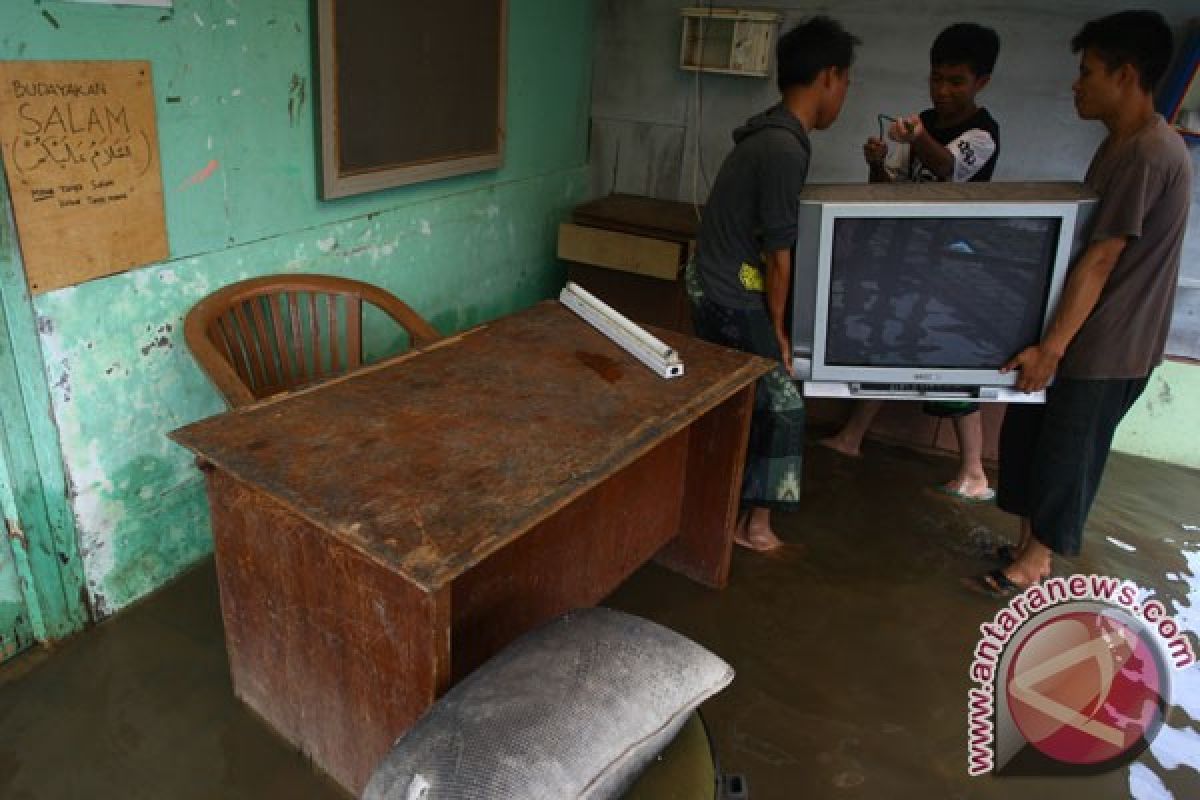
{"x": 379, "y": 536}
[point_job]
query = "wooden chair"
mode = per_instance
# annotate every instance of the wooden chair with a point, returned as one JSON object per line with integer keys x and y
{"x": 276, "y": 333}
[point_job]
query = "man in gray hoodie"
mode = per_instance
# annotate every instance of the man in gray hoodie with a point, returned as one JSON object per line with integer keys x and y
{"x": 740, "y": 282}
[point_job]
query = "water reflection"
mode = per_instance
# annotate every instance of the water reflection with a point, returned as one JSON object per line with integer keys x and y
{"x": 1178, "y": 741}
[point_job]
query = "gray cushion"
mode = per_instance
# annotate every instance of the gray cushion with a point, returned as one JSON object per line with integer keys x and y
{"x": 574, "y": 709}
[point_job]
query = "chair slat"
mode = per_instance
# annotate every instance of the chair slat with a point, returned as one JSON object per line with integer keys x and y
{"x": 242, "y": 362}
{"x": 267, "y": 345}
{"x": 314, "y": 327}
{"x": 246, "y": 333}
{"x": 293, "y": 300}
{"x": 281, "y": 339}
{"x": 353, "y": 332}
{"x": 331, "y": 304}
{"x": 227, "y": 340}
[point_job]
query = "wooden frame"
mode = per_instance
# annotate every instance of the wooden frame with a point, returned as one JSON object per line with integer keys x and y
{"x": 339, "y": 180}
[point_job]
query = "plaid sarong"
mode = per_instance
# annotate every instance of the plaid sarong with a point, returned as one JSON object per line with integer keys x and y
{"x": 775, "y": 453}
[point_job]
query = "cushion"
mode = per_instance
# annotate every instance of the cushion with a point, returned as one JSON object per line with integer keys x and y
{"x": 574, "y": 709}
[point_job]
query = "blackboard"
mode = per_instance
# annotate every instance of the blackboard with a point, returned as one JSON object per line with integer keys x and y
{"x": 411, "y": 90}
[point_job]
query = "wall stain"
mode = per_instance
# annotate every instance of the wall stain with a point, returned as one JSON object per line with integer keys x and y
{"x": 296, "y": 95}
{"x": 63, "y": 384}
{"x": 15, "y": 533}
{"x": 158, "y": 340}
{"x": 202, "y": 175}
{"x": 50, "y": 18}
{"x": 1164, "y": 394}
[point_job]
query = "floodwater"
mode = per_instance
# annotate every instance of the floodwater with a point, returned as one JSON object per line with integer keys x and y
{"x": 852, "y": 650}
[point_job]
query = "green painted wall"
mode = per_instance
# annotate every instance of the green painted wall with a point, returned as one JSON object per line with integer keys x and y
{"x": 234, "y": 81}
{"x": 15, "y": 631}
{"x": 1163, "y": 424}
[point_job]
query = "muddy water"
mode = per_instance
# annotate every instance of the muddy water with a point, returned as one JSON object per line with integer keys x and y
{"x": 852, "y": 649}
{"x": 141, "y": 708}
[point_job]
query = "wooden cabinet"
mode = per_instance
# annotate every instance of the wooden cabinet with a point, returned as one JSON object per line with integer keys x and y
{"x": 630, "y": 252}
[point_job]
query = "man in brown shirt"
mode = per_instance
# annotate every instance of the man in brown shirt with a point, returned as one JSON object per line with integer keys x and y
{"x": 1110, "y": 327}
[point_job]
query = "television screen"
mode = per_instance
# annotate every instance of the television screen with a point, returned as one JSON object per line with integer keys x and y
{"x": 942, "y": 292}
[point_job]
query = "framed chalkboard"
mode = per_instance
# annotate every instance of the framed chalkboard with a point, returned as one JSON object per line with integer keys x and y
{"x": 410, "y": 91}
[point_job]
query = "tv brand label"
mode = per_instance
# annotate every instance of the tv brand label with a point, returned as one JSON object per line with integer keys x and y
{"x": 1073, "y": 678}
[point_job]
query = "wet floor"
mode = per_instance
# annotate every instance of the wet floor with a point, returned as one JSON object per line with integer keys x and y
{"x": 852, "y": 657}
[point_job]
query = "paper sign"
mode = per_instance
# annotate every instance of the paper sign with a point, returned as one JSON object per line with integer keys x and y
{"x": 80, "y": 149}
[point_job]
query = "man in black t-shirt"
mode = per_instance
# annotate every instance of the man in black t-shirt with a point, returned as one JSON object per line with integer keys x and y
{"x": 957, "y": 141}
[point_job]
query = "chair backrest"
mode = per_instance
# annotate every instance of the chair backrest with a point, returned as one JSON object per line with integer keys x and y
{"x": 272, "y": 334}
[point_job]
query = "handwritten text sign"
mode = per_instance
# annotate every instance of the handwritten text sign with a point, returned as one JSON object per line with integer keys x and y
{"x": 81, "y": 151}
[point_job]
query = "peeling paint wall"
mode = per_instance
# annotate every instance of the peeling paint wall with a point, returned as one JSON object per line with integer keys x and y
{"x": 15, "y": 634}
{"x": 235, "y": 84}
{"x": 1163, "y": 424}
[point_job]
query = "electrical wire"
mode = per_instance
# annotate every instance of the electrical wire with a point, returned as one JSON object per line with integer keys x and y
{"x": 698, "y": 164}
{"x": 883, "y": 119}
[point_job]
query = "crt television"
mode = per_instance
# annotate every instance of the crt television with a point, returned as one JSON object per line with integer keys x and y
{"x": 920, "y": 291}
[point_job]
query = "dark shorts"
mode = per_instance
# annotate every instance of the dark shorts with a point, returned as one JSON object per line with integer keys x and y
{"x": 1052, "y": 456}
{"x": 949, "y": 409}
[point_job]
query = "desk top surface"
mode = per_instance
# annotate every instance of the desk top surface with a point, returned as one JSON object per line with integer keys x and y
{"x": 433, "y": 460}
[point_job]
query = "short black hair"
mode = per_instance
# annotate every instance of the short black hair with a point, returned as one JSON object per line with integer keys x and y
{"x": 1141, "y": 39}
{"x": 966, "y": 43}
{"x": 813, "y": 45}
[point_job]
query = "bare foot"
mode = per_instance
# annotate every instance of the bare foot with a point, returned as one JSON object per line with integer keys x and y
{"x": 1033, "y": 565}
{"x": 754, "y": 532}
{"x": 840, "y": 445}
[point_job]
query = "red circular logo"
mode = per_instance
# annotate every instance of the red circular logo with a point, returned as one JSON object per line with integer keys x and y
{"x": 1086, "y": 687}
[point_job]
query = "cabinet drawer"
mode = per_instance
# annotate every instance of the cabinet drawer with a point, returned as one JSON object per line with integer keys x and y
{"x": 623, "y": 251}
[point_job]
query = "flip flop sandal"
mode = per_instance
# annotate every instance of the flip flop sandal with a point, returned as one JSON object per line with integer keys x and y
{"x": 986, "y": 496}
{"x": 994, "y": 584}
{"x": 1004, "y": 555}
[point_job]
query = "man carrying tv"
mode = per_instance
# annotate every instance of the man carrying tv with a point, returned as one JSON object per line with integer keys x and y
{"x": 1110, "y": 328}
{"x": 740, "y": 282}
{"x": 956, "y": 140}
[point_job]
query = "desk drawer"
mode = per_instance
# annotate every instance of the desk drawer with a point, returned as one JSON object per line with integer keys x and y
{"x": 623, "y": 251}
